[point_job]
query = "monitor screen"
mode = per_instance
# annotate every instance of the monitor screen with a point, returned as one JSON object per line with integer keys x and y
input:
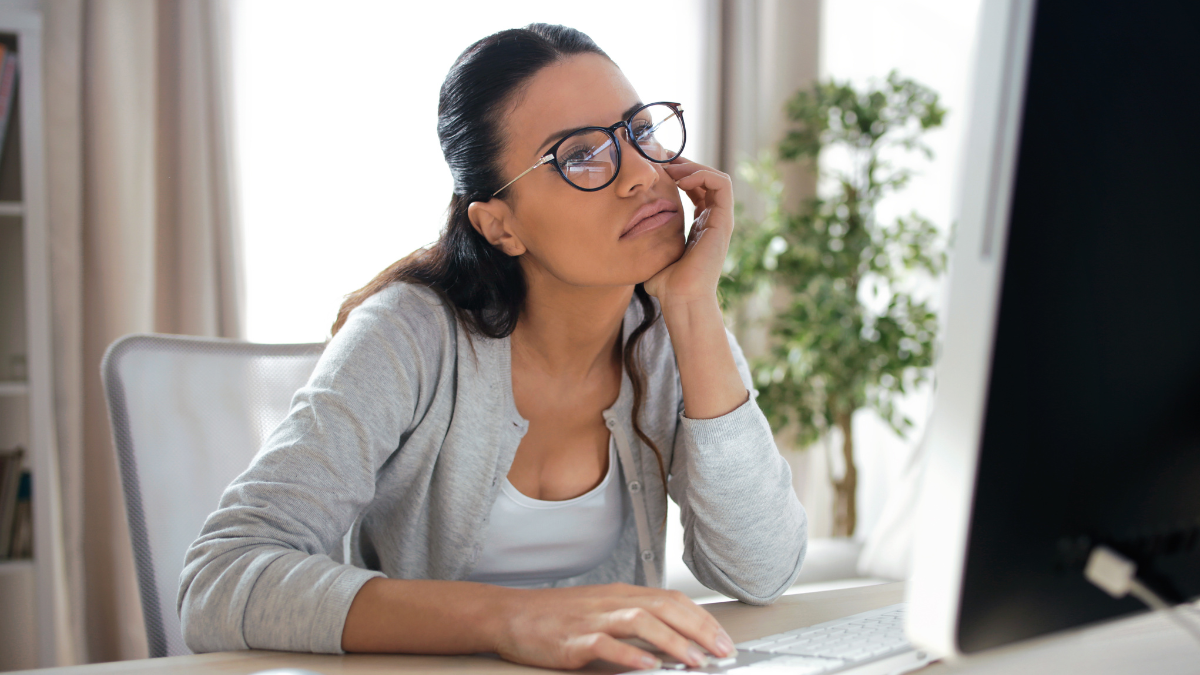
{"x": 1091, "y": 430}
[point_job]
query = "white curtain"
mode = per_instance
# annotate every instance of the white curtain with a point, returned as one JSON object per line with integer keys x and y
{"x": 766, "y": 51}
{"x": 769, "y": 50}
{"x": 144, "y": 237}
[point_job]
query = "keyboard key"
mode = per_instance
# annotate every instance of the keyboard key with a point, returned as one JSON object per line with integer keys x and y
{"x": 834, "y": 645}
{"x": 785, "y": 648}
{"x": 789, "y": 665}
{"x": 802, "y": 650}
{"x": 754, "y": 645}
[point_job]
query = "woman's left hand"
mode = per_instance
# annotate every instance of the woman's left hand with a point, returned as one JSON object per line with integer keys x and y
{"x": 694, "y": 276}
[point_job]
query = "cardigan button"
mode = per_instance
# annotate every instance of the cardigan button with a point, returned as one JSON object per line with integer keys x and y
{"x": 647, "y": 555}
{"x": 610, "y": 423}
{"x": 635, "y": 486}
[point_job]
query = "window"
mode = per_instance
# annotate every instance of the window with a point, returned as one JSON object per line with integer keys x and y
{"x": 933, "y": 42}
{"x": 336, "y": 109}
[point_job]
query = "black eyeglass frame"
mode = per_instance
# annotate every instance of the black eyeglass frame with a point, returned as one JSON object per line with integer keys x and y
{"x": 551, "y": 156}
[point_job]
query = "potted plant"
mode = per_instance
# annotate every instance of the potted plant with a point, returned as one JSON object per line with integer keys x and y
{"x": 849, "y": 334}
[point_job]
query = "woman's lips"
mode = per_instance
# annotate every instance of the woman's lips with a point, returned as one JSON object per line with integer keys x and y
{"x": 646, "y": 224}
{"x": 649, "y": 217}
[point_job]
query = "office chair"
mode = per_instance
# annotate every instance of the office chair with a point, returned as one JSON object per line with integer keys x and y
{"x": 188, "y": 415}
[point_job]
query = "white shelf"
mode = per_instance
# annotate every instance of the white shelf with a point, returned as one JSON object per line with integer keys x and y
{"x": 16, "y": 566}
{"x": 33, "y": 593}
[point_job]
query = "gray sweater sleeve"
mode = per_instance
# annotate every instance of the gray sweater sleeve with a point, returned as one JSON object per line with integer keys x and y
{"x": 260, "y": 574}
{"x": 744, "y": 531}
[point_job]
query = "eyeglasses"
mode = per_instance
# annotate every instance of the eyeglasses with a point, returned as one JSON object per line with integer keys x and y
{"x": 589, "y": 158}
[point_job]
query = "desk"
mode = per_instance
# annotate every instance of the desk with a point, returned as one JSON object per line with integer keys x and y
{"x": 1141, "y": 644}
{"x": 743, "y": 622}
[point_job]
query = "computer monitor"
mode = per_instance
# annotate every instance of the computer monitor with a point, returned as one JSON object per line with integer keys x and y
{"x": 1067, "y": 409}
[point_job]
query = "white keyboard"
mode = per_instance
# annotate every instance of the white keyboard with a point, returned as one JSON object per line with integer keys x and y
{"x": 869, "y": 635}
{"x": 875, "y": 637}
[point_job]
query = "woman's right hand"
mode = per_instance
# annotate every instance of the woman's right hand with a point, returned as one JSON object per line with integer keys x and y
{"x": 570, "y": 627}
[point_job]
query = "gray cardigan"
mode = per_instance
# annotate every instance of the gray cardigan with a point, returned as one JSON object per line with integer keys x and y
{"x": 400, "y": 440}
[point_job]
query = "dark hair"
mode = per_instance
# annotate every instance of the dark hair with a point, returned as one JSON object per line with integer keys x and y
{"x": 486, "y": 287}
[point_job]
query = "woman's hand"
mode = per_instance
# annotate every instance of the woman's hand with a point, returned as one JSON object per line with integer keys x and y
{"x": 694, "y": 276}
{"x": 570, "y": 627}
{"x": 687, "y": 293}
{"x": 553, "y": 627}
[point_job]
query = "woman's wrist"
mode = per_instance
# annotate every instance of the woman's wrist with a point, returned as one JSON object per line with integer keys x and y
{"x": 495, "y": 626}
{"x": 426, "y": 617}
{"x": 684, "y": 309}
{"x": 712, "y": 386}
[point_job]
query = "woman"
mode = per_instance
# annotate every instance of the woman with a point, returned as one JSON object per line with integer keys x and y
{"x": 498, "y": 420}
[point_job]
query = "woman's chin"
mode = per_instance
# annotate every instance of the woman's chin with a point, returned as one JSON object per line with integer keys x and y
{"x": 659, "y": 265}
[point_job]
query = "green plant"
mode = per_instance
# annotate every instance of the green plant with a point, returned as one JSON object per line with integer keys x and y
{"x": 850, "y": 335}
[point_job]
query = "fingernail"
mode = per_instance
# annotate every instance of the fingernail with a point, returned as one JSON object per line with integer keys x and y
{"x": 725, "y": 644}
{"x": 649, "y": 662}
{"x": 697, "y": 657}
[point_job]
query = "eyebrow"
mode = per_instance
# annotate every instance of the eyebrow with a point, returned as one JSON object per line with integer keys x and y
{"x": 562, "y": 134}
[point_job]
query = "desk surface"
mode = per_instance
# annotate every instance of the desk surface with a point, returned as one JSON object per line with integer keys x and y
{"x": 743, "y": 622}
{"x": 1148, "y": 643}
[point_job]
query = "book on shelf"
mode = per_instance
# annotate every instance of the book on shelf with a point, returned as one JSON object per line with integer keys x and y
{"x": 10, "y": 487}
{"x": 8, "y": 88}
{"x": 22, "y": 530}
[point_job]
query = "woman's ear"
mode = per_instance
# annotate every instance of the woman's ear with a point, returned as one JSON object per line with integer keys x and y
{"x": 493, "y": 219}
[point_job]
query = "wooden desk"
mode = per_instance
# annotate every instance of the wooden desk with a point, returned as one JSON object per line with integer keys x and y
{"x": 742, "y": 621}
{"x": 1141, "y": 644}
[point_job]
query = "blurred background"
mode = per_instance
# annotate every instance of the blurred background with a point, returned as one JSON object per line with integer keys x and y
{"x": 233, "y": 168}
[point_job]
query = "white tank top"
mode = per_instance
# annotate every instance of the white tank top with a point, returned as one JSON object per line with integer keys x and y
{"x": 530, "y": 542}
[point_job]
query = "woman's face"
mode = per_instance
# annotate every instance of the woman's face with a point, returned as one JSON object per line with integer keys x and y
{"x": 576, "y": 237}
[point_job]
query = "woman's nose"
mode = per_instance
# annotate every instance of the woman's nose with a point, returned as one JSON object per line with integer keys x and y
{"x": 636, "y": 170}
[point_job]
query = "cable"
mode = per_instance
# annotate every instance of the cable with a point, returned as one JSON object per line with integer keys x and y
{"x": 1117, "y": 575}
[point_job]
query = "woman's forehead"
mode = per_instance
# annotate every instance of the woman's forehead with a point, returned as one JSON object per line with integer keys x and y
{"x": 580, "y": 91}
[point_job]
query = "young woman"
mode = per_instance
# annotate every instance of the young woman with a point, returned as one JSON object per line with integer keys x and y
{"x": 498, "y": 420}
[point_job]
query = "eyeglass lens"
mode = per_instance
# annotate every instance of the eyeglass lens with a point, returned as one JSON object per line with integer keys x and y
{"x": 588, "y": 158}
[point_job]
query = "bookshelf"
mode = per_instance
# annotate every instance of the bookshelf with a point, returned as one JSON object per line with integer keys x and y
{"x": 32, "y": 591}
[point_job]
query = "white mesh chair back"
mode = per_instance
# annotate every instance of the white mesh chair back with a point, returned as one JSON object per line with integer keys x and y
{"x": 188, "y": 416}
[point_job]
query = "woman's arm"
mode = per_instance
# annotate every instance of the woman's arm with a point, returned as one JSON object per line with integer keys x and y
{"x": 552, "y": 628}
{"x": 707, "y": 372}
{"x": 259, "y": 575}
{"x": 687, "y": 292}
{"x": 745, "y": 533}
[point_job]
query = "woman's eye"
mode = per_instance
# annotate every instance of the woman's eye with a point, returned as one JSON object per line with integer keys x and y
{"x": 578, "y": 153}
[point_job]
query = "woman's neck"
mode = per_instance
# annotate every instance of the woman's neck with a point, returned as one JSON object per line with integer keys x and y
{"x": 568, "y": 331}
